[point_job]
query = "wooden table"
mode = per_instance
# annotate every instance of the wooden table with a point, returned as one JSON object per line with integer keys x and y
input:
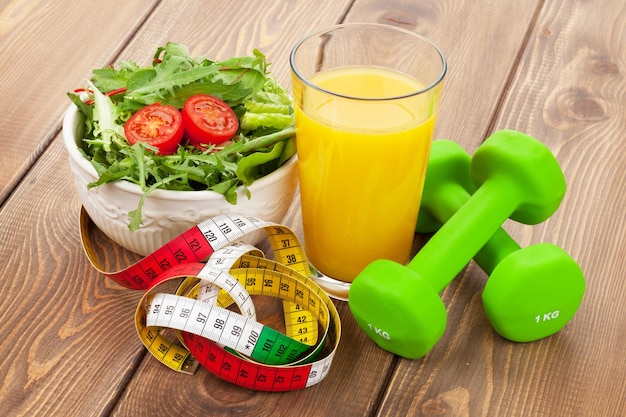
{"x": 553, "y": 69}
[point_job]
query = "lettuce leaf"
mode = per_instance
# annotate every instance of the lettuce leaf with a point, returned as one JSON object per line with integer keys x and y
{"x": 105, "y": 120}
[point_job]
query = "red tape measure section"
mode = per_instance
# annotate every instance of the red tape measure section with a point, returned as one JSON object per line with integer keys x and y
{"x": 244, "y": 373}
{"x": 190, "y": 247}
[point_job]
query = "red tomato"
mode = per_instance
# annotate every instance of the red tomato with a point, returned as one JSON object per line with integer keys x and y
{"x": 157, "y": 125}
{"x": 208, "y": 120}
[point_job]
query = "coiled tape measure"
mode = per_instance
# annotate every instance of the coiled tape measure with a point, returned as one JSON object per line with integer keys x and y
{"x": 214, "y": 270}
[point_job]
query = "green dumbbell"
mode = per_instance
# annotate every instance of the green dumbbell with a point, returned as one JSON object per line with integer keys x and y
{"x": 532, "y": 292}
{"x": 398, "y": 306}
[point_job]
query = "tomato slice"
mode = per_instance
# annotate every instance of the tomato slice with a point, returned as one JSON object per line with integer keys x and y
{"x": 157, "y": 125}
{"x": 208, "y": 120}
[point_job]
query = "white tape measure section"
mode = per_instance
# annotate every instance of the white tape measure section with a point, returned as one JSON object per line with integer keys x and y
{"x": 232, "y": 286}
{"x": 224, "y": 259}
{"x": 209, "y": 321}
{"x": 222, "y": 230}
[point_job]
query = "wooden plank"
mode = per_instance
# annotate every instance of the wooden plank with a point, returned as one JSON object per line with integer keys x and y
{"x": 68, "y": 343}
{"x": 220, "y": 30}
{"x": 568, "y": 91}
{"x": 48, "y": 49}
{"x": 60, "y": 320}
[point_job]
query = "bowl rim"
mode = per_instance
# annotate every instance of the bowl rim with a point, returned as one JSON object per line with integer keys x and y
{"x": 69, "y": 139}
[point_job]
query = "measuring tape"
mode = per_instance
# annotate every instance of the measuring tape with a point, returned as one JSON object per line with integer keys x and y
{"x": 213, "y": 271}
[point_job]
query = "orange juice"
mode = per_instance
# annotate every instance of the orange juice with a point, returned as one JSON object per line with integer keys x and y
{"x": 362, "y": 162}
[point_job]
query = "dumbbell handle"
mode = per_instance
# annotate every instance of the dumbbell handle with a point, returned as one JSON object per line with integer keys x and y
{"x": 463, "y": 235}
{"x": 446, "y": 201}
{"x": 518, "y": 177}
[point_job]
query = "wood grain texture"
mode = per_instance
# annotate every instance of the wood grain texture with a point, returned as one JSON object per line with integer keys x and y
{"x": 220, "y": 30}
{"x": 553, "y": 69}
{"x": 568, "y": 92}
{"x": 65, "y": 330}
{"x": 47, "y": 49}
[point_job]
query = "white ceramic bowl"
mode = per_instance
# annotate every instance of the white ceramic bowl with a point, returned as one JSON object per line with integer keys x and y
{"x": 166, "y": 214}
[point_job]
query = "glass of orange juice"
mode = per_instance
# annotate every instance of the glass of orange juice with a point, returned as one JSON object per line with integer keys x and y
{"x": 366, "y": 98}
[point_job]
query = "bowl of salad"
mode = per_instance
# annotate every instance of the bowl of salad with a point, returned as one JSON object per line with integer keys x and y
{"x": 155, "y": 150}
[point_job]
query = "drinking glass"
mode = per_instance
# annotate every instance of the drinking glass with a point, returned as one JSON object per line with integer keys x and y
{"x": 366, "y": 99}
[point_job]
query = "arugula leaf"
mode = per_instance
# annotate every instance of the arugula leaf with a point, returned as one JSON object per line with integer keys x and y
{"x": 164, "y": 79}
{"x": 109, "y": 78}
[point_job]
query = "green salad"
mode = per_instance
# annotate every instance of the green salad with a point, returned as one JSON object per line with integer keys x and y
{"x": 185, "y": 123}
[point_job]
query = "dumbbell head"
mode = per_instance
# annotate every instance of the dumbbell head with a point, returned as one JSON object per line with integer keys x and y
{"x": 397, "y": 309}
{"x": 533, "y": 293}
{"x": 533, "y": 174}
